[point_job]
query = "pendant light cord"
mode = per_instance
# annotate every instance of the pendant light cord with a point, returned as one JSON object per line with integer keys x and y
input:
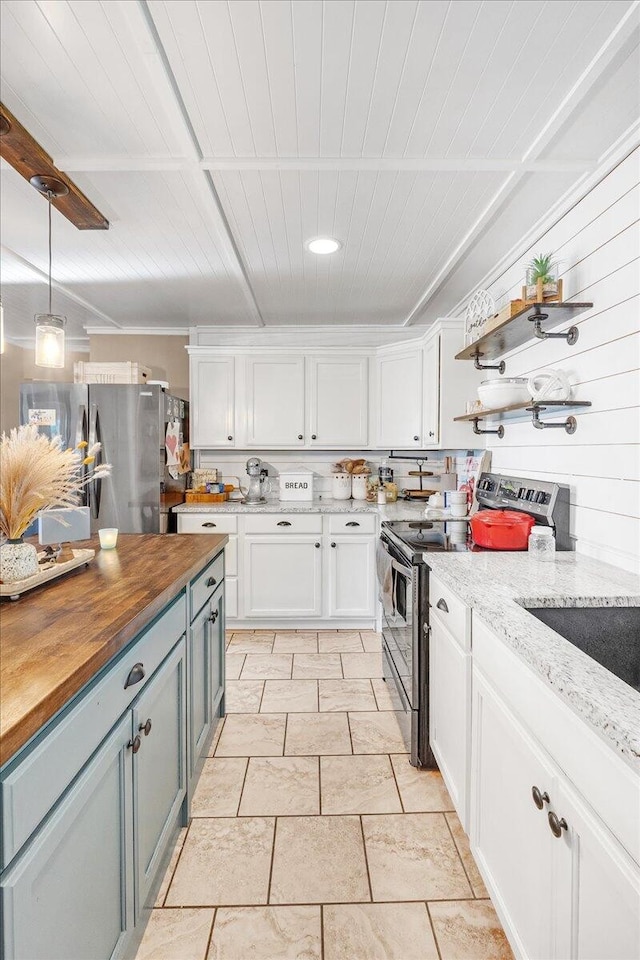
{"x": 49, "y": 195}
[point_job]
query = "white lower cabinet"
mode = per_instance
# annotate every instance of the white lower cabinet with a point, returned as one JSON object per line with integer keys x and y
{"x": 564, "y": 886}
{"x": 450, "y": 713}
{"x": 511, "y": 840}
{"x": 282, "y": 576}
{"x": 295, "y": 567}
{"x": 352, "y": 576}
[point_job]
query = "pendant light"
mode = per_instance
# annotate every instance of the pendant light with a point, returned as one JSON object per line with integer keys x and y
{"x": 49, "y": 326}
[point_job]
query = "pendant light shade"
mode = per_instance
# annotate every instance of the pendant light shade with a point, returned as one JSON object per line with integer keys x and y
{"x": 49, "y": 340}
{"x": 49, "y": 327}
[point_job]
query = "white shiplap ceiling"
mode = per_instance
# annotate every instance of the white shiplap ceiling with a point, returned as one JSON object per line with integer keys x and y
{"x": 428, "y": 136}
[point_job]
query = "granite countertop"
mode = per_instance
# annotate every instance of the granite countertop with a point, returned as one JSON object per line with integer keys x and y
{"x": 498, "y": 586}
{"x": 401, "y": 510}
{"x": 56, "y": 638}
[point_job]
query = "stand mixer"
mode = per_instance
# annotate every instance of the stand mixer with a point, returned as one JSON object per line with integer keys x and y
{"x": 258, "y": 484}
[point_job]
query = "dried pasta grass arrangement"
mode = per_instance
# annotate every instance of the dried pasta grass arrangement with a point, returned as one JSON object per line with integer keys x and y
{"x": 37, "y": 473}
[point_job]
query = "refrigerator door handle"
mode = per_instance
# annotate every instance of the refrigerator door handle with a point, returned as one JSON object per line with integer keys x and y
{"x": 82, "y": 434}
{"x": 95, "y": 437}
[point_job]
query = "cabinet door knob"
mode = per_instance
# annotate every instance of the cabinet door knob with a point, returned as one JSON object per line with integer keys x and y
{"x": 442, "y": 605}
{"x": 211, "y": 582}
{"x": 300, "y": 437}
{"x": 539, "y": 798}
{"x": 136, "y": 674}
{"x": 431, "y": 433}
{"x": 145, "y": 727}
{"x": 352, "y": 523}
{"x": 213, "y": 616}
{"x": 416, "y": 438}
{"x": 229, "y": 438}
{"x": 283, "y": 523}
{"x": 333, "y": 543}
{"x": 313, "y": 436}
{"x": 135, "y": 744}
{"x": 317, "y": 546}
{"x": 556, "y": 826}
{"x": 208, "y": 524}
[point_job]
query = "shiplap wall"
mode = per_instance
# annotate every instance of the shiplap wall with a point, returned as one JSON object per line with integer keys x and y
{"x": 598, "y": 245}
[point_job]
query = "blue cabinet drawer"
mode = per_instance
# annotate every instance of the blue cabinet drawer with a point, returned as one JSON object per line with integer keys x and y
{"x": 41, "y": 774}
{"x": 204, "y": 585}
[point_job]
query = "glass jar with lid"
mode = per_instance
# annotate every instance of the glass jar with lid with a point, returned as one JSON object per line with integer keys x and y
{"x": 542, "y": 543}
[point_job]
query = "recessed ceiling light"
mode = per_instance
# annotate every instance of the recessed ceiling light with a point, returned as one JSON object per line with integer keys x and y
{"x": 323, "y": 245}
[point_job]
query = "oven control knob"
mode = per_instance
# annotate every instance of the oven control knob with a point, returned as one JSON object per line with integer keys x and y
{"x": 522, "y": 492}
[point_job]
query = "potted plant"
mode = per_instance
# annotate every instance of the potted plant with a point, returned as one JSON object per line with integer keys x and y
{"x": 541, "y": 280}
{"x": 36, "y": 474}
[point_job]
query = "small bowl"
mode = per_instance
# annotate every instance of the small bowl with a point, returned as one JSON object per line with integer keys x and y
{"x": 504, "y": 392}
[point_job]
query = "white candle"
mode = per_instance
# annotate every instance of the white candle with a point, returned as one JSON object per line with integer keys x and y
{"x": 108, "y": 537}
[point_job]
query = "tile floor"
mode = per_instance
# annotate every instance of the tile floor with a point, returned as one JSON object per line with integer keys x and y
{"x": 312, "y": 837}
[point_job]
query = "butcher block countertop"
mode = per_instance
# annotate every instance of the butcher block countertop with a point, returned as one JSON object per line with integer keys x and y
{"x": 56, "y": 638}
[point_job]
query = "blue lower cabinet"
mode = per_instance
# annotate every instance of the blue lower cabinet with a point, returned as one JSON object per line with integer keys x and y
{"x": 199, "y": 687}
{"x": 206, "y": 679}
{"x": 69, "y": 895}
{"x": 159, "y": 767}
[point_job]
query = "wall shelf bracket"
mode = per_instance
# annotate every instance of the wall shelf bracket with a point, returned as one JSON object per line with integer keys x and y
{"x": 500, "y": 367}
{"x": 476, "y": 429}
{"x": 570, "y": 424}
{"x": 571, "y": 335}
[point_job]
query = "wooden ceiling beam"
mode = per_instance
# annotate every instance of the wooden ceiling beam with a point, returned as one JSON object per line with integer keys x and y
{"x": 25, "y": 155}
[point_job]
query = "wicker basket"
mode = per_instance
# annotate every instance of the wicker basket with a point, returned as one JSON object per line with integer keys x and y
{"x": 121, "y": 371}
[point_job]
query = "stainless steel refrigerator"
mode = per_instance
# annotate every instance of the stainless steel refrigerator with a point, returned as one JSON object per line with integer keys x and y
{"x": 130, "y": 421}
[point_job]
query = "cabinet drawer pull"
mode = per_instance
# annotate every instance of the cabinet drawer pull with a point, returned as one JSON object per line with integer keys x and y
{"x": 352, "y": 523}
{"x": 313, "y": 436}
{"x": 209, "y": 523}
{"x": 213, "y": 616}
{"x": 539, "y": 798}
{"x": 135, "y": 744}
{"x": 442, "y": 605}
{"x": 300, "y": 437}
{"x": 416, "y": 438}
{"x": 136, "y": 674}
{"x": 556, "y": 826}
{"x": 211, "y": 582}
{"x": 146, "y": 727}
{"x": 283, "y": 523}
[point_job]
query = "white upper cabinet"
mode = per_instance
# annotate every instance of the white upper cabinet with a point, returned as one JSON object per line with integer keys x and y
{"x": 431, "y": 391}
{"x": 338, "y": 395}
{"x": 213, "y": 410}
{"x": 399, "y": 398}
{"x": 275, "y": 401}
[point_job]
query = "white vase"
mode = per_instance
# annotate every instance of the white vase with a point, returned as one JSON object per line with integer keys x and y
{"x": 18, "y": 560}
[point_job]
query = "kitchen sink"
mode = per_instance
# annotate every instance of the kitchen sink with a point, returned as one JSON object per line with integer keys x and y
{"x": 610, "y": 635}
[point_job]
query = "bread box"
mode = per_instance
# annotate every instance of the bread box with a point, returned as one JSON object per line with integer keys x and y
{"x": 296, "y": 485}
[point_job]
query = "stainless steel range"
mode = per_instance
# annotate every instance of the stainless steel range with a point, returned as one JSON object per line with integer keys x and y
{"x": 403, "y": 578}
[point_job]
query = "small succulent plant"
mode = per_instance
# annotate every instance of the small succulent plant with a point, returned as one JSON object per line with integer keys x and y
{"x": 541, "y": 268}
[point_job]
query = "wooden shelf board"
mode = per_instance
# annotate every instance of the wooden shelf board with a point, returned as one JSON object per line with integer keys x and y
{"x": 519, "y": 329}
{"x": 520, "y": 411}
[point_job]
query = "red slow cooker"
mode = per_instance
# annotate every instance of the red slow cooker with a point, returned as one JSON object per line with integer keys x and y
{"x": 501, "y": 529}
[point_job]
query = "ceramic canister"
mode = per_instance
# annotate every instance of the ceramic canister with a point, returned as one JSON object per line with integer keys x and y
{"x": 341, "y": 487}
{"x": 359, "y": 485}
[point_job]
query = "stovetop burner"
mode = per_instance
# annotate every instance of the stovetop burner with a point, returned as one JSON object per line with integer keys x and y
{"x": 429, "y": 535}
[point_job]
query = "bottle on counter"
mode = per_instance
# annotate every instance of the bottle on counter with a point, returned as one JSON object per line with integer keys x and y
{"x": 542, "y": 543}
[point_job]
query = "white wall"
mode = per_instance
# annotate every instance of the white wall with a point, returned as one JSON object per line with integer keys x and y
{"x": 598, "y": 246}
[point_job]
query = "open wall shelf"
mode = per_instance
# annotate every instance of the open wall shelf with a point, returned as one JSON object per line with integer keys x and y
{"x": 524, "y": 326}
{"x": 530, "y": 410}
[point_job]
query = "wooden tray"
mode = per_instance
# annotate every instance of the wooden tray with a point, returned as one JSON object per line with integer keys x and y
{"x": 192, "y": 496}
{"x": 50, "y": 572}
